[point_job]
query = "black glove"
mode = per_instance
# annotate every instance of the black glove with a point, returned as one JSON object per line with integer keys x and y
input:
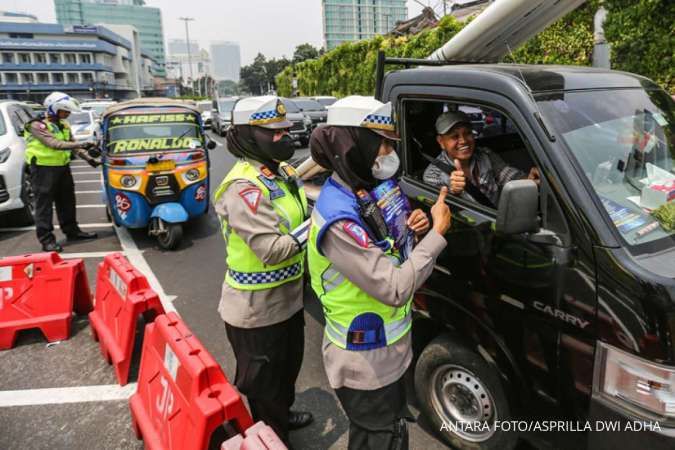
{"x": 89, "y": 145}
{"x": 93, "y": 162}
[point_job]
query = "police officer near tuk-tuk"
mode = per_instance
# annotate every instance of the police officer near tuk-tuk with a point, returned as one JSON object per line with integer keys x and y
{"x": 49, "y": 148}
{"x": 363, "y": 280}
{"x": 263, "y": 212}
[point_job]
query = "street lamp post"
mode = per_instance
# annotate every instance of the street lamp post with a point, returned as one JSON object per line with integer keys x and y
{"x": 187, "y": 39}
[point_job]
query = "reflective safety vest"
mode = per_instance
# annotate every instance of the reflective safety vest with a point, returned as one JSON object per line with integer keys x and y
{"x": 354, "y": 319}
{"x": 47, "y": 156}
{"x": 244, "y": 270}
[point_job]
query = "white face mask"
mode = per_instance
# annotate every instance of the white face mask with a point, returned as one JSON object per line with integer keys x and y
{"x": 386, "y": 166}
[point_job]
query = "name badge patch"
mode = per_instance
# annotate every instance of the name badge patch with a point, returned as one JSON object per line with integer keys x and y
{"x": 272, "y": 186}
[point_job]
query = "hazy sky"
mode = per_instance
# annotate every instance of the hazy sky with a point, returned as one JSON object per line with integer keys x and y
{"x": 271, "y": 27}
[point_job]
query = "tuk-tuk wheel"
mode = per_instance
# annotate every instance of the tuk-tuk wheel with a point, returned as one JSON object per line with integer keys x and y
{"x": 171, "y": 237}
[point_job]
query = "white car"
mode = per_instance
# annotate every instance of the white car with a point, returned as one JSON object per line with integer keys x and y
{"x": 85, "y": 125}
{"x": 204, "y": 108}
{"x": 16, "y": 205}
{"x": 98, "y": 106}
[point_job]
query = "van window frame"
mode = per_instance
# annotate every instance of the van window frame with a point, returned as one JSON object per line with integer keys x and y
{"x": 545, "y": 192}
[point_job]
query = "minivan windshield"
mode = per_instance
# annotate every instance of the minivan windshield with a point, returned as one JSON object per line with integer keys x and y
{"x": 226, "y": 105}
{"x": 624, "y": 141}
{"x": 3, "y": 127}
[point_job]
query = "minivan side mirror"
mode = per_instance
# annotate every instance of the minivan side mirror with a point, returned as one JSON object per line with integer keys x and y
{"x": 210, "y": 145}
{"x": 518, "y": 205}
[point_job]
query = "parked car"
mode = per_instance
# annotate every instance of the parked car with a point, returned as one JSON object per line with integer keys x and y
{"x": 99, "y": 106}
{"x": 204, "y": 106}
{"x": 85, "y": 125}
{"x": 302, "y": 125}
{"x": 316, "y": 112}
{"x": 325, "y": 100}
{"x": 221, "y": 114}
{"x": 16, "y": 199}
{"x": 37, "y": 108}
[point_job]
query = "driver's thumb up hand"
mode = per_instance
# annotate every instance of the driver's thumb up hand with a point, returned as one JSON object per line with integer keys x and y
{"x": 457, "y": 179}
{"x": 440, "y": 213}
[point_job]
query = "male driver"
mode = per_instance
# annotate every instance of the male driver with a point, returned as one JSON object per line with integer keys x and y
{"x": 479, "y": 174}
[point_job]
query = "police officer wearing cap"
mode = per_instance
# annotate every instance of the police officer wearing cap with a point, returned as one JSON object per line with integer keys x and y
{"x": 363, "y": 278}
{"x": 263, "y": 211}
{"x": 49, "y": 148}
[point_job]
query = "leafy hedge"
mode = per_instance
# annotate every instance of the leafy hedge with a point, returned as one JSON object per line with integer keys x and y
{"x": 641, "y": 32}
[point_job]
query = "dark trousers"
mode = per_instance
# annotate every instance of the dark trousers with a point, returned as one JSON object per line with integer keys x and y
{"x": 268, "y": 364}
{"x": 53, "y": 185}
{"x": 377, "y": 419}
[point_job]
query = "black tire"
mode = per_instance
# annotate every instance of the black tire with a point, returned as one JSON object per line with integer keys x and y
{"x": 454, "y": 383}
{"x": 26, "y": 215}
{"x": 172, "y": 237}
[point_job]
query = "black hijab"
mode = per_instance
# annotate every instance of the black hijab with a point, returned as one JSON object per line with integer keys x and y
{"x": 348, "y": 151}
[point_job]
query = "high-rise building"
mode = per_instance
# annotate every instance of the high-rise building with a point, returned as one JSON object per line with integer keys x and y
{"x": 179, "y": 47}
{"x": 147, "y": 20}
{"x": 353, "y": 20}
{"x": 225, "y": 60}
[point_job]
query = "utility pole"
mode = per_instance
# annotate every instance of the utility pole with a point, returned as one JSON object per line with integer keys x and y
{"x": 187, "y": 39}
{"x": 445, "y": 8}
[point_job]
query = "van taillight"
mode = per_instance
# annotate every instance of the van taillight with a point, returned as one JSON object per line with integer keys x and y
{"x": 117, "y": 162}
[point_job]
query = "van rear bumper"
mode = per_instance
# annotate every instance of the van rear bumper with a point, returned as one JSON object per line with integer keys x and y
{"x": 635, "y": 433}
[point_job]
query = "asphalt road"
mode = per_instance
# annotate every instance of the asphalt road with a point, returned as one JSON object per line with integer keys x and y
{"x": 65, "y": 396}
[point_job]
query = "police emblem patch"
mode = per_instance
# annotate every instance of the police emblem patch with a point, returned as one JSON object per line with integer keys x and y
{"x": 251, "y": 196}
{"x": 281, "y": 109}
{"x": 357, "y": 233}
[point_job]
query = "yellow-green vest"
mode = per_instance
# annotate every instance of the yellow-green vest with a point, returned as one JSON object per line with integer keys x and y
{"x": 44, "y": 155}
{"x": 354, "y": 319}
{"x": 245, "y": 270}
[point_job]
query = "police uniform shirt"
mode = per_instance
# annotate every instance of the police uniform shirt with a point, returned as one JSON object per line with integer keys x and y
{"x": 40, "y": 131}
{"x": 260, "y": 230}
{"x": 371, "y": 270}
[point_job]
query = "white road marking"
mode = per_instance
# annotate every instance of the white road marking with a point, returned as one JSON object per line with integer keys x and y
{"x": 97, "y": 180}
{"x": 98, "y": 205}
{"x": 31, "y": 228}
{"x": 85, "y": 172}
{"x": 135, "y": 257}
{"x": 88, "y": 192}
{"x": 58, "y": 396}
{"x": 88, "y": 254}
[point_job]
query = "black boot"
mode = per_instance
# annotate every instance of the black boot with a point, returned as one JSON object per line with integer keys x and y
{"x": 299, "y": 419}
{"x": 80, "y": 235}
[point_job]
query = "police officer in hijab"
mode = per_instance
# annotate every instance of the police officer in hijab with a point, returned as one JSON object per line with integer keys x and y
{"x": 361, "y": 272}
{"x": 262, "y": 208}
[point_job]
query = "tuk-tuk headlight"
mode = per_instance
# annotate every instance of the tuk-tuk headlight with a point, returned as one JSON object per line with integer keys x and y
{"x": 128, "y": 181}
{"x": 641, "y": 386}
{"x": 192, "y": 175}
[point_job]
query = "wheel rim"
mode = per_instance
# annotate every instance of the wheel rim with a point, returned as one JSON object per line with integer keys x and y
{"x": 459, "y": 398}
{"x": 28, "y": 196}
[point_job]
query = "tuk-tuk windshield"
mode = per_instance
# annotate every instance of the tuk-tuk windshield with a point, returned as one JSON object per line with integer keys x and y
{"x": 624, "y": 141}
{"x": 132, "y": 133}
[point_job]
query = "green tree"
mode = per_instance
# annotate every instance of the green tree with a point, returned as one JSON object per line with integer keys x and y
{"x": 259, "y": 76}
{"x": 304, "y": 52}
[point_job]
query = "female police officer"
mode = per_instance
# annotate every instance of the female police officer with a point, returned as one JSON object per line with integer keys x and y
{"x": 260, "y": 204}
{"x": 363, "y": 279}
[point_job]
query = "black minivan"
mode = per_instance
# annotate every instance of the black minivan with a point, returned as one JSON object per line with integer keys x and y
{"x": 555, "y": 310}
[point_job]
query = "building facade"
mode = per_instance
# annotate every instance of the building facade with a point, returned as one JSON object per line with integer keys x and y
{"x": 84, "y": 61}
{"x": 147, "y": 20}
{"x": 189, "y": 67}
{"x": 225, "y": 60}
{"x": 353, "y": 20}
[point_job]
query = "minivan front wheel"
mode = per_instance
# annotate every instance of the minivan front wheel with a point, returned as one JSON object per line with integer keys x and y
{"x": 462, "y": 396}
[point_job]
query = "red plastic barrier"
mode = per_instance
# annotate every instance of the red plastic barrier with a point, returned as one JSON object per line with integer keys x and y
{"x": 258, "y": 437}
{"x": 41, "y": 290}
{"x": 182, "y": 394}
{"x": 122, "y": 294}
